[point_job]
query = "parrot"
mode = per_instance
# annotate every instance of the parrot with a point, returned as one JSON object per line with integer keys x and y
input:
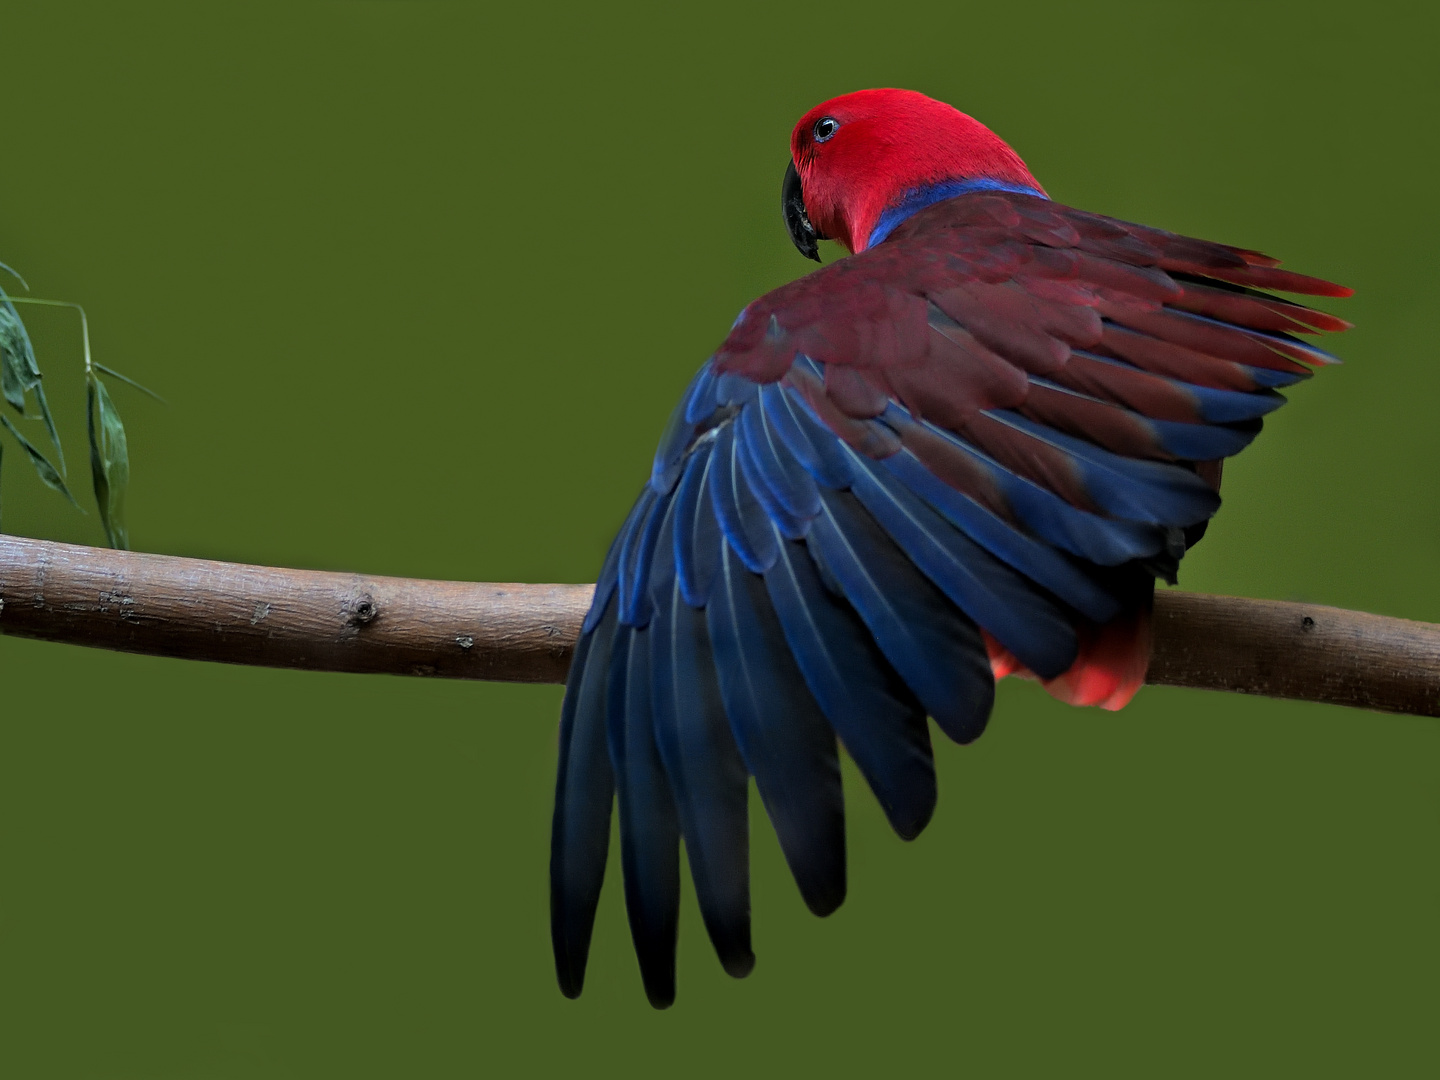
{"x": 966, "y": 450}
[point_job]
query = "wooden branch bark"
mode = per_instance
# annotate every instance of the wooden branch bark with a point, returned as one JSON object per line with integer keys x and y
{"x": 197, "y": 609}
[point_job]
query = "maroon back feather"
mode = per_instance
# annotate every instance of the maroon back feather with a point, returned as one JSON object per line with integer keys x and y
{"x": 986, "y": 300}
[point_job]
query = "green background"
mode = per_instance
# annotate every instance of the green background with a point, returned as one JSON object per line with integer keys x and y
{"x": 421, "y": 284}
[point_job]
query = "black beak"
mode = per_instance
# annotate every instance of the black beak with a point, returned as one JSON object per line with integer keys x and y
{"x": 797, "y": 222}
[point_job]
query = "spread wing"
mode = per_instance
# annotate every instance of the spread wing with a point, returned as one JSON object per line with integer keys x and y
{"x": 968, "y": 450}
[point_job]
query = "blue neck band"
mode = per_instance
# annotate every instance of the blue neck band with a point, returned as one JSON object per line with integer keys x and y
{"x": 918, "y": 199}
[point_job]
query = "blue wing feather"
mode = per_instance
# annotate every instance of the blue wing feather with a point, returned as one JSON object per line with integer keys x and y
{"x": 937, "y": 651}
{"x": 1215, "y": 406}
{"x": 1149, "y": 492}
{"x": 732, "y": 389}
{"x": 984, "y": 588}
{"x": 876, "y": 715}
{"x": 815, "y": 448}
{"x": 584, "y": 791}
{"x": 1269, "y": 377}
{"x": 661, "y": 576}
{"x": 739, "y": 513}
{"x": 610, "y": 569}
{"x": 649, "y": 828}
{"x": 783, "y": 736}
{"x": 697, "y": 536}
{"x": 1204, "y": 442}
{"x": 706, "y": 774}
{"x": 1232, "y": 406}
{"x": 696, "y": 405}
{"x": 635, "y": 556}
{"x": 765, "y": 485}
{"x": 784, "y": 476}
{"x": 701, "y": 400}
{"x": 679, "y": 433}
{"x": 1100, "y": 540}
{"x": 1186, "y": 441}
{"x": 1043, "y": 565}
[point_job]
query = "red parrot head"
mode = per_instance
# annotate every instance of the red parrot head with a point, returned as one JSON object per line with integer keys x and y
{"x": 863, "y": 162}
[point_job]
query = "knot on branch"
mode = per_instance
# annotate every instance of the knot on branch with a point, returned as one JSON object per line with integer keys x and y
{"x": 361, "y": 610}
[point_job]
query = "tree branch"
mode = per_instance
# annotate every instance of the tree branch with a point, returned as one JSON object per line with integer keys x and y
{"x": 196, "y": 609}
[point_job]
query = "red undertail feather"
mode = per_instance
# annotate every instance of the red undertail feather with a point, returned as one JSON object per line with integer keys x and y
{"x": 1108, "y": 672}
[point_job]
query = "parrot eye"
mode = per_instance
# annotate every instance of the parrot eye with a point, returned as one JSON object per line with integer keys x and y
{"x": 825, "y": 128}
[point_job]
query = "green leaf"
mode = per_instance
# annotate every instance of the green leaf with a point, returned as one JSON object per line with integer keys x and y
{"x": 16, "y": 275}
{"x": 18, "y": 370}
{"x": 49, "y": 475}
{"x": 127, "y": 380}
{"x": 50, "y": 426}
{"x": 15, "y": 374}
{"x": 109, "y": 461}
